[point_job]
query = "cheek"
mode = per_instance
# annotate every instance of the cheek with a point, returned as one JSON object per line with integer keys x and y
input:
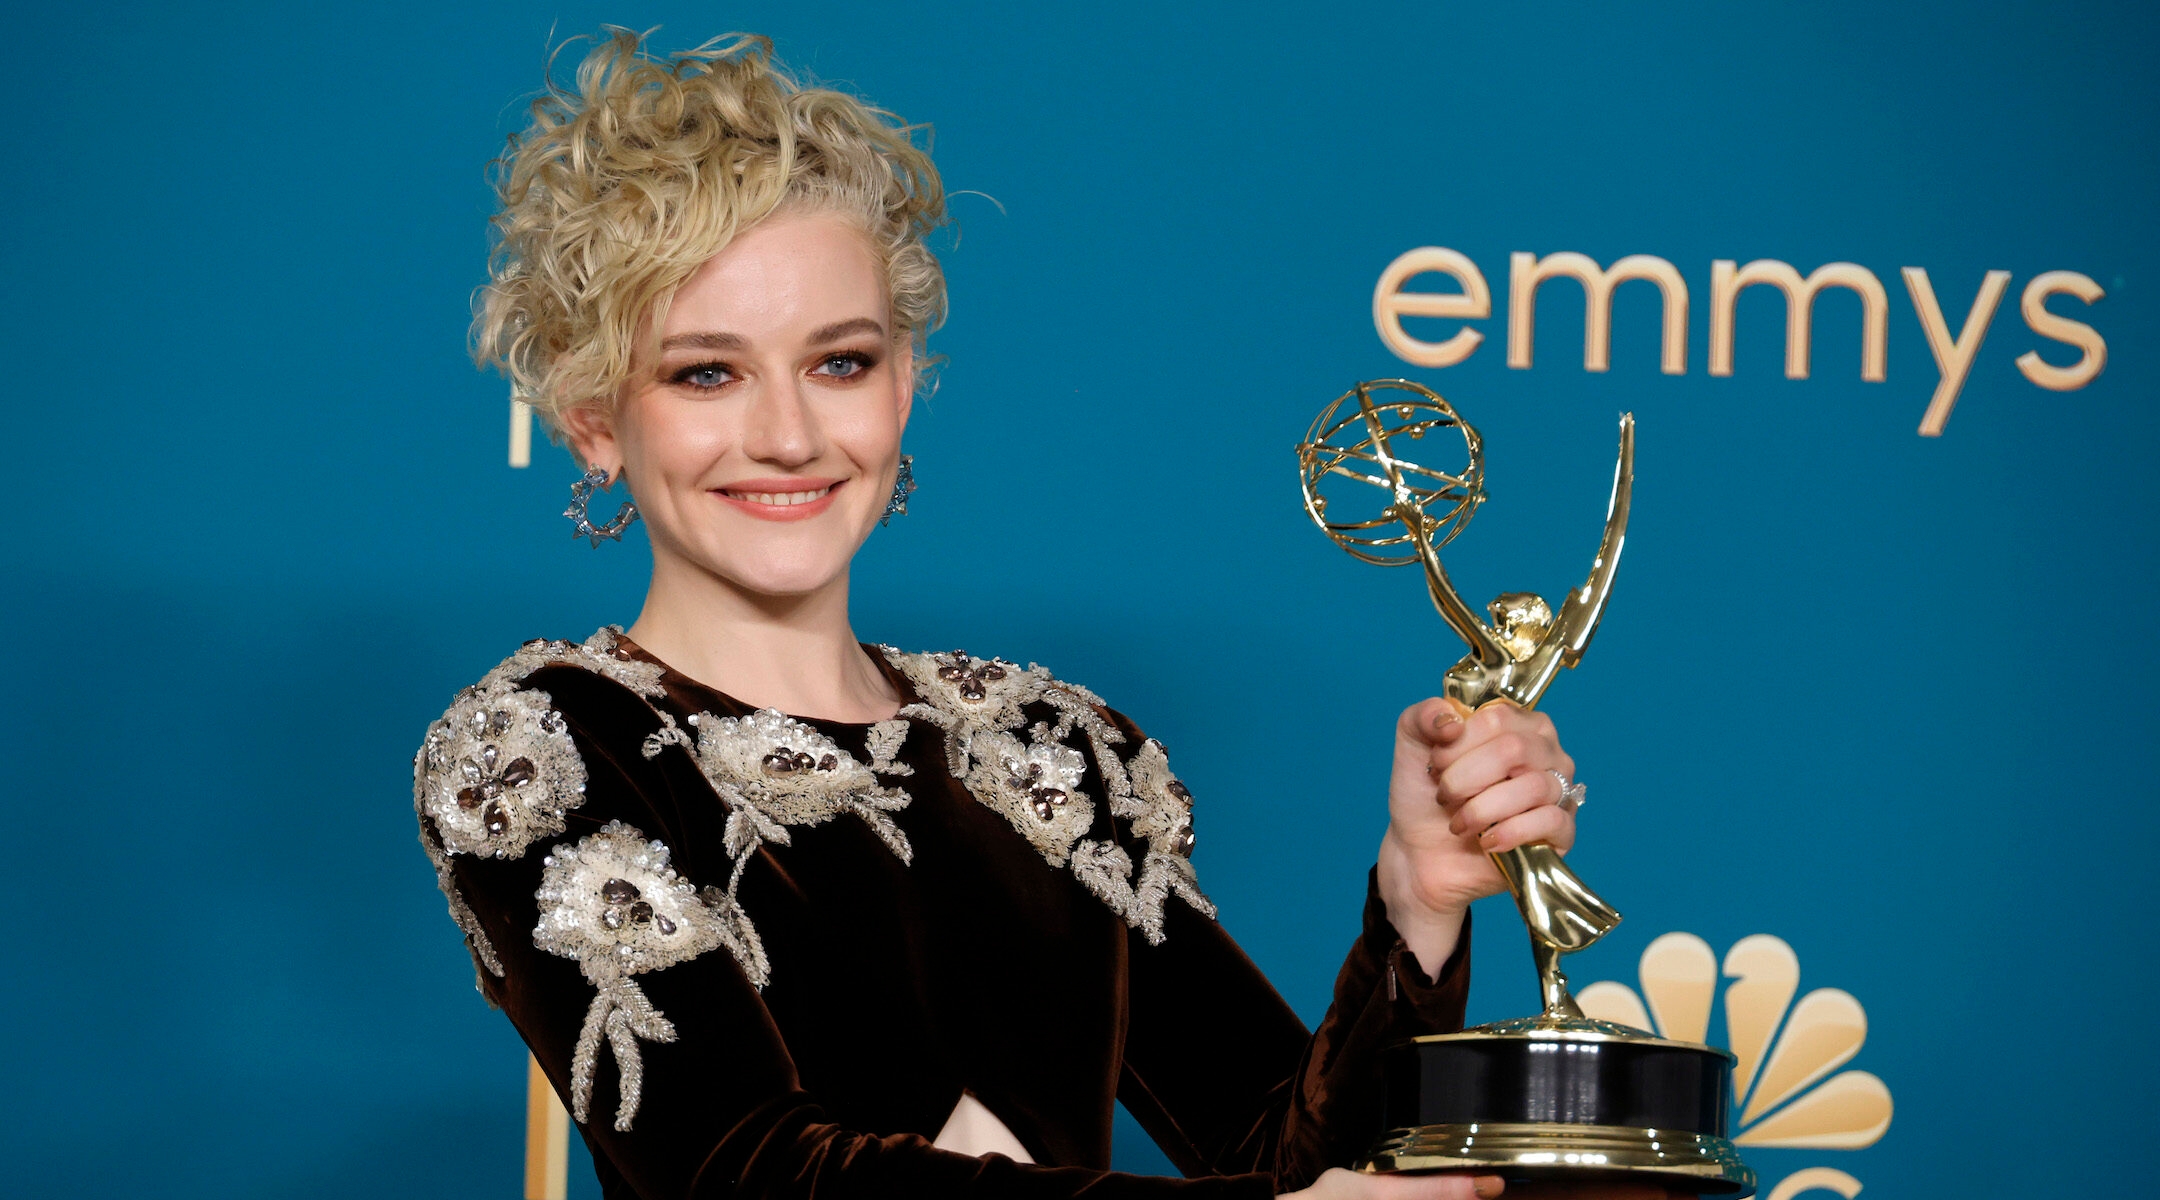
{"x": 669, "y": 447}
{"x": 869, "y": 432}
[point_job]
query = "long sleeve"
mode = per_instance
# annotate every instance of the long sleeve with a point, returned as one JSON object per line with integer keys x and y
{"x": 1225, "y": 1078}
{"x": 764, "y": 957}
{"x": 1220, "y": 1071}
{"x": 723, "y": 1109}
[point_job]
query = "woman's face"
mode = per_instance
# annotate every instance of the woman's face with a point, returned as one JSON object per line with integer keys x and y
{"x": 761, "y": 438}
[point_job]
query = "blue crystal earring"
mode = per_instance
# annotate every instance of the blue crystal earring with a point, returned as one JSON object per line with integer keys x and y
{"x": 903, "y": 483}
{"x": 581, "y": 494}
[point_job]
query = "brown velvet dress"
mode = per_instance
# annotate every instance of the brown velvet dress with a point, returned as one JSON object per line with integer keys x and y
{"x": 764, "y": 957}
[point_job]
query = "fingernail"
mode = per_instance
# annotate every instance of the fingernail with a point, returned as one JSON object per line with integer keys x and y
{"x": 1448, "y": 716}
{"x": 1487, "y": 1186}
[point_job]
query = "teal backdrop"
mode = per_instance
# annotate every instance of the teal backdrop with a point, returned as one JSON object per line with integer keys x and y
{"x": 1887, "y": 698}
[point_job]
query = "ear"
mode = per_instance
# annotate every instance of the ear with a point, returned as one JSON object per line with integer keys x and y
{"x": 592, "y": 437}
{"x": 903, "y": 361}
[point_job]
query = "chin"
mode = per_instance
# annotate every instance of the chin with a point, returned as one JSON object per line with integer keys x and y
{"x": 789, "y": 571}
{"x": 782, "y": 586}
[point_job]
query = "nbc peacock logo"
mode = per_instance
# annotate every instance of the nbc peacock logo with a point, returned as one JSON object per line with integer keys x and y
{"x": 1783, "y": 1083}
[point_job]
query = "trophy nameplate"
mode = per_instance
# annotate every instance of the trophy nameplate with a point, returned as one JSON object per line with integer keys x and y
{"x": 1557, "y": 1095}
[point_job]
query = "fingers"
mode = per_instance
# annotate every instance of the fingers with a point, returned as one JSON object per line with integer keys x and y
{"x": 1548, "y": 823}
{"x": 1435, "y": 722}
{"x": 1436, "y": 1187}
{"x": 1507, "y": 798}
{"x": 1602, "y": 1190}
{"x": 1338, "y": 1184}
{"x": 1477, "y": 765}
{"x": 1495, "y": 719}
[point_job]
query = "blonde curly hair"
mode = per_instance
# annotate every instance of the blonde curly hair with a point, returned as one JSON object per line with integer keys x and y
{"x": 628, "y": 181}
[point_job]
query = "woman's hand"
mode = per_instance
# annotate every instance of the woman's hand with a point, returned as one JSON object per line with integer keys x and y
{"x": 1338, "y": 1184}
{"x": 1464, "y": 786}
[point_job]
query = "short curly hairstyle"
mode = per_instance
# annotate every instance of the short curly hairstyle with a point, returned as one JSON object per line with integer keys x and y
{"x": 630, "y": 179}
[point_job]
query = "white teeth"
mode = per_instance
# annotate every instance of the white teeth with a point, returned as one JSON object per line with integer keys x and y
{"x": 781, "y": 499}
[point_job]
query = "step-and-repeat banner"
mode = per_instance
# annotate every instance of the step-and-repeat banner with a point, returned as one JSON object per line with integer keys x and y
{"x": 1866, "y": 728}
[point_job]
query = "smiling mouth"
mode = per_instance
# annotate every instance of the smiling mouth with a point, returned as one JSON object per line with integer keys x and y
{"x": 779, "y": 499}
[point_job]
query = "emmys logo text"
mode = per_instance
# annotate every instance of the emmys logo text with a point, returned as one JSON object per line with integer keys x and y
{"x": 1953, "y": 353}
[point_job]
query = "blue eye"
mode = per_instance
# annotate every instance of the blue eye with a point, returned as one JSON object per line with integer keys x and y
{"x": 844, "y": 366}
{"x": 704, "y": 376}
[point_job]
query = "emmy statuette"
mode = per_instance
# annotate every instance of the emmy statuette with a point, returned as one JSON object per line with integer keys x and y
{"x": 1558, "y": 1095}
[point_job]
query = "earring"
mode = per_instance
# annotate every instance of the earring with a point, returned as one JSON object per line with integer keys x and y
{"x": 581, "y": 495}
{"x": 903, "y": 483}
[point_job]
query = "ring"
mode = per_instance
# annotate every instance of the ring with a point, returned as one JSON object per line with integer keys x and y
{"x": 1571, "y": 794}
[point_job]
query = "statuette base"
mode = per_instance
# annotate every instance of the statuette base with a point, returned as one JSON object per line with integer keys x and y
{"x": 1545, "y": 1098}
{"x": 1551, "y": 1150}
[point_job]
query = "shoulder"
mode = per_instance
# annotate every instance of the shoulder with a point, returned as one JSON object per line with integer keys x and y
{"x": 957, "y": 688}
{"x": 1013, "y": 735}
{"x": 600, "y": 655}
{"x": 501, "y": 769}
{"x": 966, "y": 696}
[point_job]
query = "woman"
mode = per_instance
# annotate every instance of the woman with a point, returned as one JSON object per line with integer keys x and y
{"x": 781, "y": 913}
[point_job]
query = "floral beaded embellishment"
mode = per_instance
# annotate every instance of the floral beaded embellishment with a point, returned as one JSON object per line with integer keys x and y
{"x": 963, "y": 696}
{"x": 603, "y": 655}
{"x": 773, "y": 771}
{"x": 499, "y": 770}
{"x": 612, "y": 904}
{"x": 979, "y": 703}
{"x": 1158, "y": 806}
{"x": 1159, "y": 809}
{"x": 1036, "y": 787}
{"x": 497, "y": 773}
{"x": 600, "y": 654}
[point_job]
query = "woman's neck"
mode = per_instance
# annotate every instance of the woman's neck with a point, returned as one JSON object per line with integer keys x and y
{"x": 798, "y": 654}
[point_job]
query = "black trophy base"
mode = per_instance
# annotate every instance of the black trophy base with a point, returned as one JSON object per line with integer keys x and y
{"x": 1580, "y": 1100}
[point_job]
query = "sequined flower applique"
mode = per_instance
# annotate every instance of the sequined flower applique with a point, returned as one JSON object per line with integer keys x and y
{"x": 1036, "y": 787}
{"x": 964, "y": 696}
{"x": 601, "y": 654}
{"x": 1159, "y": 810}
{"x": 499, "y": 770}
{"x": 497, "y": 773}
{"x": 613, "y": 905}
{"x": 773, "y": 771}
{"x": 980, "y": 704}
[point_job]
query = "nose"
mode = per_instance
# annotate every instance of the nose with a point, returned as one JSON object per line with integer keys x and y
{"x": 779, "y": 428}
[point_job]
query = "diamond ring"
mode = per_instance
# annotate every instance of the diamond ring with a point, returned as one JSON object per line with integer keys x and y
{"x": 1571, "y": 794}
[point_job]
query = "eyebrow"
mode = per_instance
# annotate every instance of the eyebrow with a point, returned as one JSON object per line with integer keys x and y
{"x": 703, "y": 341}
{"x": 713, "y": 340}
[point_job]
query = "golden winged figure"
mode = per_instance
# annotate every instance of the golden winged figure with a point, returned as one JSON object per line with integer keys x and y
{"x": 1514, "y": 658}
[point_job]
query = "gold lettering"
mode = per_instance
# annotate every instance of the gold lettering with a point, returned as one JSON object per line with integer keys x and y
{"x": 1527, "y": 272}
{"x": 1954, "y": 358}
{"x": 1390, "y": 304}
{"x": 1726, "y": 284}
{"x": 2033, "y": 306}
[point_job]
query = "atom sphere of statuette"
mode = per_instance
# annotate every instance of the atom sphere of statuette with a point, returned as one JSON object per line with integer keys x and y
{"x": 1375, "y": 434}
